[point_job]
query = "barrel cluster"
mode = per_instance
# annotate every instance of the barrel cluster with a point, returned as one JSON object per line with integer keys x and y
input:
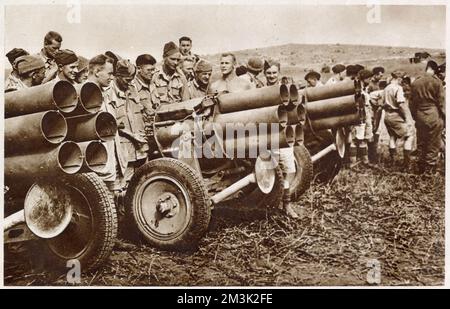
{"x": 286, "y": 112}
{"x": 56, "y": 128}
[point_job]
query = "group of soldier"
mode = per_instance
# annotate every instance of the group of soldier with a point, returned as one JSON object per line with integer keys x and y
{"x": 133, "y": 92}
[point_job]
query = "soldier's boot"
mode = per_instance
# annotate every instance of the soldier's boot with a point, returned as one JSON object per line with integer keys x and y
{"x": 406, "y": 159}
{"x": 392, "y": 154}
{"x": 364, "y": 155}
{"x": 353, "y": 156}
{"x": 287, "y": 205}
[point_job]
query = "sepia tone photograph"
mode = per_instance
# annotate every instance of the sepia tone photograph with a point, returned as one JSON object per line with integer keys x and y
{"x": 223, "y": 144}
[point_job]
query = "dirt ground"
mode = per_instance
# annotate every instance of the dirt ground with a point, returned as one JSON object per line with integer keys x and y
{"x": 365, "y": 217}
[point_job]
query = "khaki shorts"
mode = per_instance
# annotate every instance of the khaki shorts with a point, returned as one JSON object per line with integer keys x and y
{"x": 286, "y": 159}
{"x": 396, "y": 125}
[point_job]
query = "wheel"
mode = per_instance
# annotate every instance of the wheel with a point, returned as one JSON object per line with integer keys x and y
{"x": 92, "y": 231}
{"x": 167, "y": 203}
{"x": 301, "y": 180}
{"x": 326, "y": 168}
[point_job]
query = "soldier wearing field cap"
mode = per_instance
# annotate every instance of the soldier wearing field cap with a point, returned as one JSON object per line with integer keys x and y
{"x": 351, "y": 71}
{"x": 145, "y": 64}
{"x": 398, "y": 120}
{"x": 52, "y": 44}
{"x": 313, "y": 79}
{"x": 428, "y": 110}
{"x": 169, "y": 85}
{"x": 338, "y": 74}
{"x": 67, "y": 62}
{"x": 255, "y": 65}
{"x": 375, "y": 80}
{"x": 83, "y": 70}
{"x": 31, "y": 71}
{"x": 202, "y": 74}
{"x": 362, "y": 134}
{"x": 13, "y": 81}
{"x": 129, "y": 116}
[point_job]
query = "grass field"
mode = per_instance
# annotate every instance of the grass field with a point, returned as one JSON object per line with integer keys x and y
{"x": 384, "y": 215}
{"x": 365, "y": 217}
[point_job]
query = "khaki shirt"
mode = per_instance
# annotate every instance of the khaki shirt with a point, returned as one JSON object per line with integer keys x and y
{"x": 14, "y": 83}
{"x": 129, "y": 117}
{"x": 195, "y": 91}
{"x": 144, "y": 93}
{"x": 393, "y": 96}
{"x": 51, "y": 68}
{"x": 168, "y": 89}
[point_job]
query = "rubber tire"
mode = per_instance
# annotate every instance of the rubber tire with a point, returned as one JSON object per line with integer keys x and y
{"x": 304, "y": 176}
{"x": 105, "y": 226}
{"x": 196, "y": 190}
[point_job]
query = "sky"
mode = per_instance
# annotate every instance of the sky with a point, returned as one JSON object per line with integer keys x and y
{"x": 131, "y": 30}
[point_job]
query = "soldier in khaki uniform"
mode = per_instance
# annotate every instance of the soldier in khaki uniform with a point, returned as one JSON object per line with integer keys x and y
{"x": 185, "y": 48}
{"x": 52, "y": 44}
{"x": 13, "y": 81}
{"x": 31, "y": 71}
{"x": 168, "y": 85}
{"x": 82, "y": 70}
{"x": 187, "y": 67}
{"x": 229, "y": 81}
{"x": 361, "y": 134}
{"x": 101, "y": 73}
{"x": 67, "y": 62}
{"x": 272, "y": 72}
{"x": 199, "y": 85}
{"x": 313, "y": 79}
{"x": 428, "y": 110}
{"x": 255, "y": 65}
{"x": 129, "y": 115}
{"x": 145, "y": 70}
{"x": 398, "y": 119}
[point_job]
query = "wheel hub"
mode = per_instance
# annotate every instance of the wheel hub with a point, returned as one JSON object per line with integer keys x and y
{"x": 167, "y": 205}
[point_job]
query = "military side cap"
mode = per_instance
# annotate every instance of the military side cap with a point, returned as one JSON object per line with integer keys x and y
{"x": 351, "y": 69}
{"x": 398, "y": 74}
{"x": 338, "y": 68}
{"x": 312, "y": 74}
{"x": 29, "y": 63}
{"x": 124, "y": 68}
{"x": 203, "y": 66}
{"x": 65, "y": 57}
{"x": 145, "y": 59}
{"x": 170, "y": 48}
{"x": 255, "y": 64}
{"x": 363, "y": 74}
{"x": 15, "y": 53}
{"x": 82, "y": 63}
{"x": 359, "y": 67}
{"x": 269, "y": 63}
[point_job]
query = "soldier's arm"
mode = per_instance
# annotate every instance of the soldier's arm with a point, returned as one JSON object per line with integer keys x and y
{"x": 184, "y": 91}
{"x": 403, "y": 105}
{"x": 154, "y": 95}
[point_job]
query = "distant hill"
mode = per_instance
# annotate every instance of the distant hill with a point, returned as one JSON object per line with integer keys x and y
{"x": 297, "y": 59}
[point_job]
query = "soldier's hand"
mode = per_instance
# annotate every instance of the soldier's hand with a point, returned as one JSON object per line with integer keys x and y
{"x": 140, "y": 138}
